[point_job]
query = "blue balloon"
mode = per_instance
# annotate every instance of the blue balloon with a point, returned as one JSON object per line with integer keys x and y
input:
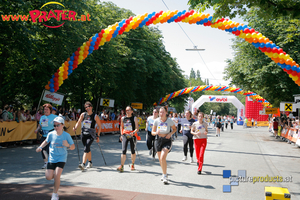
{"x": 245, "y": 26}
{"x": 262, "y": 45}
{"x": 210, "y": 18}
{"x": 288, "y": 67}
{"x": 71, "y": 58}
{"x": 234, "y": 29}
{"x": 294, "y": 68}
{"x": 240, "y": 27}
{"x": 268, "y": 45}
{"x": 205, "y": 20}
{"x": 94, "y": 38}
{"x": 70, "y": 63}
{"x": 298, "y": 69}
{"x": 91, "y": 48}
{"x": 92, "y": 43}
{"x": 51, "y": 90}
{"x": 53, "y": 76}
{"x": 273, "y": 45}
{"x": 51, "y": 85}
{"x": 51, "y": 80}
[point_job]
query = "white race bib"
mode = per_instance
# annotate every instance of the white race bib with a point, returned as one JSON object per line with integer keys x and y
{"x": 87, "y": 123}
{"x": 163, "y": 127}
{"x": 186, "y": 127}
{"x": 45, "y": 122}
{"x": 128, "y": 126}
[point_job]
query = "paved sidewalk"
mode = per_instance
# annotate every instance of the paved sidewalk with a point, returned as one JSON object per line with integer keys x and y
{"x": 251, "y": 149}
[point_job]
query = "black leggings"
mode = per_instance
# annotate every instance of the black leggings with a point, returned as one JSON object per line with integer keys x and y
{"x": 188, "y": 141}
{"x": 125, "y": 141}
{"x": 150, "y": 140}
{"x": 46, "y": 148}
{"x": 87, "y": 141}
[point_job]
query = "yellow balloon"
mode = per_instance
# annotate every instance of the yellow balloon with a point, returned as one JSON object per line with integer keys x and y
{"x": 281, "y": 55}
{"x": 275, "y": 55}
{"x": 248, "y": 35}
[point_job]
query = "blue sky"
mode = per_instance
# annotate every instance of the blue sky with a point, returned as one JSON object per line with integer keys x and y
{"x": 217, "y": 43}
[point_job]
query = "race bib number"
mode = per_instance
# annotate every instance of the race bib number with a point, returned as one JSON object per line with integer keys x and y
{"x": 128, "y": 126}
{"x": 186, "y": 127}
{"x": 163, "y": 127}
{"x": 201, "y": 128}
{"x": 45, "y": 122}
{"x": 87, "y": 123}
{"x": 151, "y": 126}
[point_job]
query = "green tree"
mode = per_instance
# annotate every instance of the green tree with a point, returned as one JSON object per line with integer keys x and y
{"x": 261, "y": 74}
{"x": 192, "y": 74}
{"x": 269, "y": 9}
{"x": 198, "y": 74}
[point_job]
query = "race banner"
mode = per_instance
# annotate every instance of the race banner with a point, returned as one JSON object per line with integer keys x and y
{"x": 53, "y": 97}
{"x": 14, "y": 131}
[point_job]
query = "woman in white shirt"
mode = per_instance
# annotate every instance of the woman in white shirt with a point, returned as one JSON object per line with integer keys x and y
{"x": 164, "y": 128}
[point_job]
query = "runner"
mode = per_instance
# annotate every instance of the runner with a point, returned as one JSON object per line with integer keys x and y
{"x": 231, "y": 122}
{"x": 150, "y": 139}
{"x": 129, "y": 128}
{"x": 45, "y": 126}
{"x": 88, "y": 133}
{"x": 199, "y": 130}
{"x": 219, "y": 125}
{"x": 175, "y": 120}
{"x": 59, "y": 141}
{"x": 162, "y": 128}
{"x": 187, "y": 137}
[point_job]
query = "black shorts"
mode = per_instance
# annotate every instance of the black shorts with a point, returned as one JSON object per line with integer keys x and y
{"x": 54, "y": 165}
{"x": 275, "y": 129}
{"x": 162, "y": 142}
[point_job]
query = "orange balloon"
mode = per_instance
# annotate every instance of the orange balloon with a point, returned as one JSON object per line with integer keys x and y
{"x": 293, "y": 63}
{"x": 255, "y": 40}
{"x": 47, "y": 87}
{"x": 266, "y": 40}
{"x": 88, "y": 43}
{"x": 86, "y": 48}
{"x": 90, "y": 40}
{"x": 68, "y": 60}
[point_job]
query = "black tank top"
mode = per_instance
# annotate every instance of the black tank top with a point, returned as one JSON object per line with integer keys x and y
{"x": 129, "y": 122}
{"x": 88, "y": 123}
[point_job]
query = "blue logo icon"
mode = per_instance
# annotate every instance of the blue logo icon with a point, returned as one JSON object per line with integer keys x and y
{"x": 234, "y": 180}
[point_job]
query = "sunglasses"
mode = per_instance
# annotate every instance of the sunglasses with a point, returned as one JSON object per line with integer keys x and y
{"x": 58, "y": 125}
{"x": 87, "y": 107}
{"x": 128, "y": 110}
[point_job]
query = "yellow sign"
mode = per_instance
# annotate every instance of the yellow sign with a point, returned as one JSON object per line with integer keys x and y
{"x": 271, "y": 111}
{"x": 137, "y": 105}
{"x": 105, "y": 102}
{"x": 288, "y": 107}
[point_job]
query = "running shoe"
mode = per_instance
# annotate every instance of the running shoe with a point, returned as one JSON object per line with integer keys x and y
{"x": 44, "y": 166}
{"x": 132, "y": 167}
{"x": 199, "y": 172}
{"x": 81, "y": 166}
{"x": 54, "y": 196}
{"x": 191, "y": 161}
{"x": 162, "y": 178}
{"x": 120, "y": 168}
{"x": 89, "y": 165}
{"x": 184, "y": 158}
{"x": 165, "y": 180}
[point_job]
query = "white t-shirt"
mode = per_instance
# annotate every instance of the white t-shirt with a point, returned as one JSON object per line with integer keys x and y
{"x": 199, "y": 128}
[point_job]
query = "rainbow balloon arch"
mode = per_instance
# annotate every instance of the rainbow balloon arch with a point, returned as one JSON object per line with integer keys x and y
{"x": 200, "y": 88}
{"x": 240, "y": 30}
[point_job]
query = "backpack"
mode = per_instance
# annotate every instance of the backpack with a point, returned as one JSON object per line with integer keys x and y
{"x": 2, "y": 114}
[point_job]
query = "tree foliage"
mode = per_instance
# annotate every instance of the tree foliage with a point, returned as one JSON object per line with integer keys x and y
{"x": 133, "y": 67}
{"x": 251, "y": 70}
{"x": 267, "y": 9}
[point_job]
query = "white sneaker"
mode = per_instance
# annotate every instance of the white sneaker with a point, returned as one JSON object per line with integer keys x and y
{"x": 44, "y": 166}
{"x": 184, "y": 158}
{"x": 81, "y": 166}
{"x": 191, "y": 161}
{"x": 165, "y": 179}
{"x": 89, "y": 165}
{"x": 54, "y": 196}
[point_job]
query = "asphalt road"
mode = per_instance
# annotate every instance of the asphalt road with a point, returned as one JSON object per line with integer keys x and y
{"x": 253, "y": 150}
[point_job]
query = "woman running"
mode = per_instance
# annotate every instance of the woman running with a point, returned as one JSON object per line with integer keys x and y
{"x": 129, "y": 128}
{"x": 187, "y": 137}
{"x": 199, "y": 130}
{"x": 59, "y": 141}
{"x": 45, "y": 126}
{"x": 150, "y": 138}
{"x": 164, "y": 128}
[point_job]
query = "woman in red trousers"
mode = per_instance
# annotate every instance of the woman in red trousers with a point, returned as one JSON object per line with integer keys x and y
{"x": 199, "y": 131}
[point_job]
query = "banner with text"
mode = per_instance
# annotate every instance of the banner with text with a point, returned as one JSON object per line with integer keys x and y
{"x": 53, "y": 97}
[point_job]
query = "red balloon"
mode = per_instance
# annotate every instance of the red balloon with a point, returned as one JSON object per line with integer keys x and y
{"x": 246, "y": 31}
{"x": 289, "y": 71}
{"x": 269, "y": 50}
{"x": 280, "y": 50}
{"x": 56, "y": 74}
{"x": 252, "y": 30}
{"x": 284, "y": 69}
{"x": 275, "y": 50}
{"x": 294, "y": 73}
{"x": 76, "y": 53}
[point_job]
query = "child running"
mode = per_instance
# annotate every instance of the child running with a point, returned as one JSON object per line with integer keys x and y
{"x": 59, "y": 142}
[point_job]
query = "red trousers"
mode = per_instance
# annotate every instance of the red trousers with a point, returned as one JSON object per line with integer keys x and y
{"x": 200, "y": 145}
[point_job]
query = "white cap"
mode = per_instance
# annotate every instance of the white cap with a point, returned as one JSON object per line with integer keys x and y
{"x": 59, "y": 120}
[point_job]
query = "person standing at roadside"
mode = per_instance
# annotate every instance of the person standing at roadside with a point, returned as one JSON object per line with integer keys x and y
{"x": 163, "y": 128}
{"x": 175, "y": 120}
{"x": 89, "y": 121}
{"x": 45, "y": 126}
{"x": 59, "y": 141}
{"x": 199, "y": 131}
